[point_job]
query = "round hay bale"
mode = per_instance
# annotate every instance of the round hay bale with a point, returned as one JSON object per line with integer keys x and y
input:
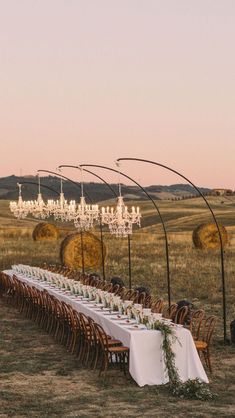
{"x": 206, "y": 236}
{"x": 45, "y": 232}
{"x": 71, "y": 250}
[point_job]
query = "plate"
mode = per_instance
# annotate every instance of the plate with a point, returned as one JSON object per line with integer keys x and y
{"x": 119, "y": 317}
{"x": 137, "y": 328}
{"x": 126, "y": 322}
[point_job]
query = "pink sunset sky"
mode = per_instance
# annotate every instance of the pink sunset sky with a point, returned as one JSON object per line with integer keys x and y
{"x": 90, "y": 81}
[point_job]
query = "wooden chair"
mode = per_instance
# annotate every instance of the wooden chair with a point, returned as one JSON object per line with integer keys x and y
{"x": 59, "y": 321}
{"x": 157, "y": 306}
{"x": 3, "y": 283}
{"x": 84, "y": 336}
{"x": 107, "y": 287}
{"x": 100, "y": 284}
{"x": 75, "y": 334}
{"x": 85, "y": 279}
{"x": 148, "y": 301}
{"x": 170, "y": 312}
{"x": 115, "y": 289}
{"x": 121, "y": 292}
{"x": 141, "y": 298}
{"x": 203, "y": 343}
{"x": 9, "y": 289}
{"x": 196, "y": 322}
{"x": 131, "y": 294}
{"x": 94, "y": 282}
{"x": 108, "y": 350}
{"x": 181, "y": 315}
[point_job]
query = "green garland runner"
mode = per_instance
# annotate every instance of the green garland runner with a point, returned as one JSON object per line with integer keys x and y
{"x": 169, "y": 355}
{"x": 192, "y": 388}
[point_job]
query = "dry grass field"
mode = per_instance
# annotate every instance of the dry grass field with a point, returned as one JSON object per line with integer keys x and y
{"x": 195, "y": 274}
{"x": 38, "y": 378}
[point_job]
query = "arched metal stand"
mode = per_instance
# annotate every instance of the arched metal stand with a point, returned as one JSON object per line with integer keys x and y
{"x": 158, "y": 211}
{"x": 100, "y": 223}
{"x": 216, "y": 223}
{"x": 79, "y": 186}
{"x": 42, "y": 185}
{"x": 115, "y": 195}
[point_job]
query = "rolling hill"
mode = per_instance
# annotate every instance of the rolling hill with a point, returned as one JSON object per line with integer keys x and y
{"x": 96, "y": 191}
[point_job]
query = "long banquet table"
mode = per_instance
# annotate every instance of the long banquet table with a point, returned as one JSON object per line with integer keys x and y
{"x": 146, "y": 357}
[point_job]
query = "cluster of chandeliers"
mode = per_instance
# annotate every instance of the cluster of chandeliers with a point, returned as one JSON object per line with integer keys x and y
{"x": 119, "y": 219}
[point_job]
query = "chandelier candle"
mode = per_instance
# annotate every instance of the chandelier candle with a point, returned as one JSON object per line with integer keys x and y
{"x": 119, "y": 220}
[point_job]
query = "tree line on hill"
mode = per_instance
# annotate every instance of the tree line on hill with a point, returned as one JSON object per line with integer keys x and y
{"x": 96, "y": 191}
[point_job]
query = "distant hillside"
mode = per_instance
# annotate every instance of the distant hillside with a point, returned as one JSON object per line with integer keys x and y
{"x": 96, "y": 191}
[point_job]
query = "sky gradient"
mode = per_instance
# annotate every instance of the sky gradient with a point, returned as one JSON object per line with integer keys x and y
{"x": 90, "y": 81}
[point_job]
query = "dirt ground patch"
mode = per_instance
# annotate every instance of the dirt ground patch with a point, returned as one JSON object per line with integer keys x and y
{"x": 38, "y": 378}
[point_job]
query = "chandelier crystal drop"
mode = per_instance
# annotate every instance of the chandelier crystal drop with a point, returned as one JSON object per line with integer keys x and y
{"x": 82, "y": 214}
{"x": 119, "y": 220}
{"x": 38, "y": 208}
{"x": 58, "y": 208}
{"x": 20, "y": 208}
{"x": 85, "y": 215}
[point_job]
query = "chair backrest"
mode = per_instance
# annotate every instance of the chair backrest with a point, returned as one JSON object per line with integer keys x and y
{"x": 148, "y": 301}
{"x": 101, "y": 336}
{"x": 100, "y": 284}
{"x": 115, "y": 289}
{"x": 157, "y": 306}
{"x": 135, "y": 296}
{"x": 170, "y": 312}
{"x": 122, "y": 292}
{"x": 131, "y": 294}
{"x": 91, "y": 330}
{"x": 108, "y": 287}
{"x": 83, "y": 323}
{"x": 141, "y": 298}
{"x": 181, "y": 315}
{"x": 75, "y": 324}
{"x": 207, "y": 329}
{"x": 94, "y": 282}
{"x": 85, "y": 279}
{"x": 196, "y": 322}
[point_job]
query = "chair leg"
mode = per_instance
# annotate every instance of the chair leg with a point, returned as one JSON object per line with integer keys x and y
{"x": 106, "y": 362}
{"x": 209, "y": 360}
{"x": 102, "y": 364}
{"x": 96, "y": 357}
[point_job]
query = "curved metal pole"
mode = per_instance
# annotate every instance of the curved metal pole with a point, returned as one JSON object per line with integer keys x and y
{"x": 66, "y": 178}
{"x": 216, "y": 223}
{"x": 100, "y": 224}
{"x": 82, "y": 247}
{"x": 101, "y": 227}
{"x": 79, "y": 186}
{"x": 91, "y": 172}
{"x": 129, "y": 257}
{"x": 42, "y": 185}
{"x": 160, "y": 216}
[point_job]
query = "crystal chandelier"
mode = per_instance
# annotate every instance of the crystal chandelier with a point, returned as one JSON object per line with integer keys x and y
{"x": 82, "y": 214}
{"x": 20, "y": 209}
{"x": 58, "y": 208}
{"x": 119, "y": 220}
{"x": 38, "y": 208}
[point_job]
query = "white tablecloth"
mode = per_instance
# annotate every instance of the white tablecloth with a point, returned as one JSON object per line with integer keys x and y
{"x": 146, "y": 357}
